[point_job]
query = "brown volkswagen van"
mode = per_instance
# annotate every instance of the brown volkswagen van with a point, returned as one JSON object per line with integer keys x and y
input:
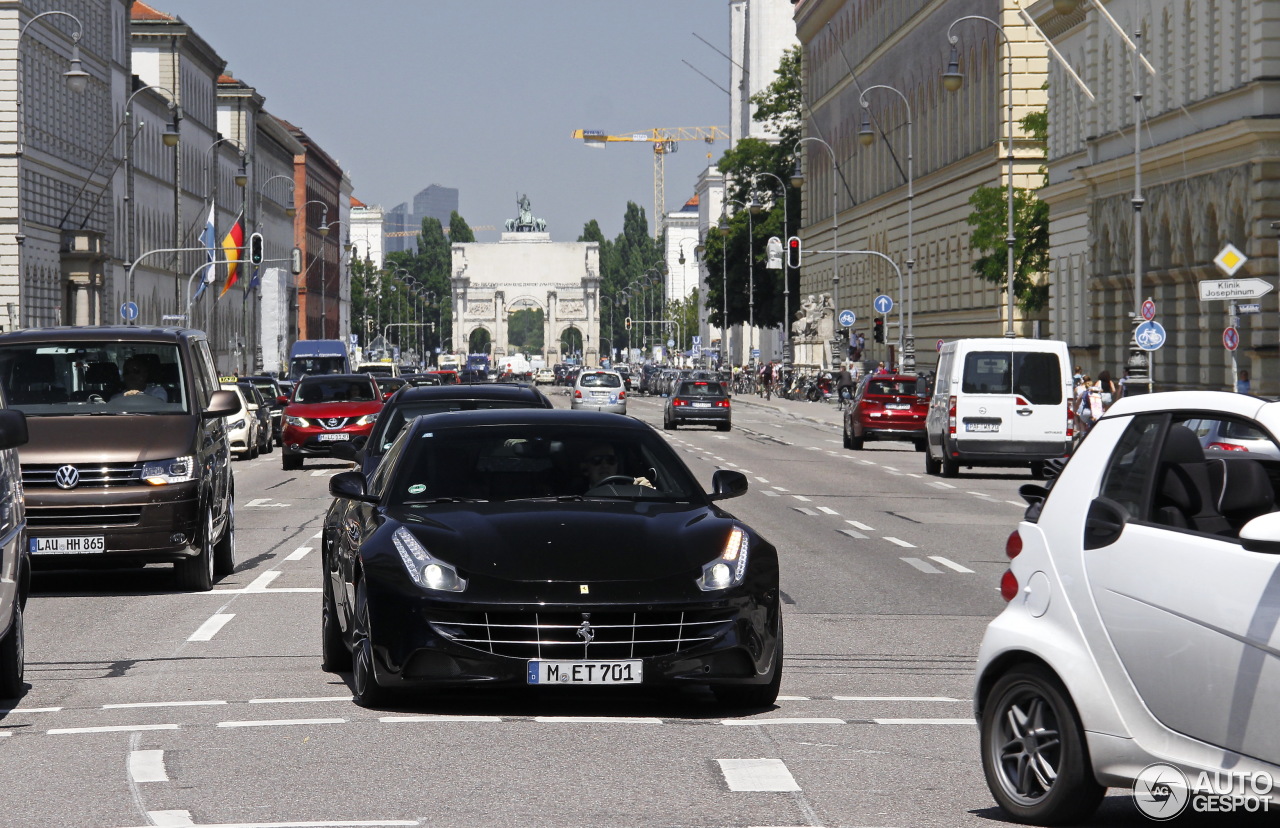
{"x": 127, "y": 458}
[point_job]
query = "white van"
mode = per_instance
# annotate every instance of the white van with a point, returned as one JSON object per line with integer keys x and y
{"x": 999, "y": 402}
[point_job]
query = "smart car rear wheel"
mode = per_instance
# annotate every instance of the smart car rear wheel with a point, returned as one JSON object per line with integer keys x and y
{"x": 12, "y": 657}
{"x": 1033, "y": 750}
{"x": 365, "y": 688}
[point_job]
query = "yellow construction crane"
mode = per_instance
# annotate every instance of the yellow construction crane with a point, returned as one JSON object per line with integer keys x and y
{"x": 664, "y": 141}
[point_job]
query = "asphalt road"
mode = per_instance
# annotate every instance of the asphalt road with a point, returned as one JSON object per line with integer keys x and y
{"x": 149, "y": 706}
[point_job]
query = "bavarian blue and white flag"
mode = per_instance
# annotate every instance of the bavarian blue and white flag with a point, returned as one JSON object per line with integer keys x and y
{"x": 208, "y": 238}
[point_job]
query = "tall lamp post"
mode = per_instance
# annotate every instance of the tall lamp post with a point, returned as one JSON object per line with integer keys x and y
{"x": 346, "y": 248}
{"x": 866, "y": 137}
{"x": 797, "y": 181}
{"x": 289, "y": 209}
{"x": 751, "y": 262}
{"x": 952, "y": 80}
{"x": 77, "y": 81}
{"x": 758, "y": 208}
{"x": 625, "y": 293}
{"x": 612, "y": 336}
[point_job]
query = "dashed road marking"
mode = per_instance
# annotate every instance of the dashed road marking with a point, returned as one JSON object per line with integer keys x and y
{"x": 922, "y": 566}
{"x": 780, "y": 489}
{"x": 761, "y": 480}
{"x": 952, "y": 564}
{"x": 856, "y": 525}
{"x": 852, "y": 534}
{"x": 1021, "y": 505}
{"x": 802, "y": 510}
{"x": 757, "y": 775}
{"x": 436, "y": 719}
{"x": 263, "y": 503}
{"x": 147, "y": 766}
{"x": 900, "y": 542}
{"x": 978, "y": 494}
{"x": 282, "y": 722}
{"x": 170, "y": 819}
{"x": 597, "y": 720}
{"x": 941, "y": 485}
{"x": 133, "y": 705}
{"x": 828, "y": 510}
{"x": 924, "y": 721}
{"x": 768, "y": 493}
{"x": 299, "y": 553}
{"x": 62, "y": 731}
{"x": 210, "y": 628}
{"x": 898, "y": 698}
{"x": 301, "y": 699}
{"x": 803, "y": 498}
{"x": 781, "y": 721}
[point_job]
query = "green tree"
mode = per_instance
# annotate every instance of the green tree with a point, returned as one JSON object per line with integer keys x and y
{"x": 760, "y": 171}
{"x": 524, "y": 330}
{"x": 459, "y": 230}
{"x": 989, "y": 220}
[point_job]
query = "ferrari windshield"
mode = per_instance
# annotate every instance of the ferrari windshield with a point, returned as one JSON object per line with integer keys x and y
{"x": 497, "y": 463}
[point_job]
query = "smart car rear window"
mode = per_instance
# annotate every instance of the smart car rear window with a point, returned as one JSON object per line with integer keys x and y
{"x": 600, "y": 381}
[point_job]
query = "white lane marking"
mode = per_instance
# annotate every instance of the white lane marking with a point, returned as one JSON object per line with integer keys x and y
{"x": 6, "y": 711}
{"x": 265, "y": 503}
{"x": 259, "y": 586}
{"x": 732, "y": 465}
{"x": 802, "y": 510}
{"x": 282, "y": 722}
{"x": 900, "y": 542}
{"x": 924, "y": 721}
{"x": 719, "y": 459}
{"x": 793, "y": 698}
{"x": 768, "y": 493}
{"x": 914, "y": 475}
{"x": 922, "y": 566}
{"x": 738, "y": 722}
{"x": 895, "y": 473}
{"x": 757, "y": 775}
{"x": 596, "y": 720}
{"x": 748, "y": 471}
{"x": 814, "y": 448}
{"x": 856, "y": 525}
{"x": 890, "y": 468}
{"x": 780, "y": 489}
{"x": 957, "y": 567}
{"x": 866, "y": 462}
{"x": 318, "y": 535}
{"x": 1016, "y": 503}
{"x": 260, "y": 583}
{"x": 298, "y": 554}
{"x": 301, "y": 699}
{"x": 851, "y": 533}
{"x": 161, "y": 704}
{"x": 828, "y": 510}
{"x": 762, "y": 480}
{"x": 170, "y": 819}
{"x": 942, "y": 485}
{"x": 803, "y": 498}
{"x": 182, "y": 819}
{"x": 440, "y": 718}
{"x": 147, "y": 766}
{"x": 978, "y": 494}
{"x": 210, "y": 628}
{"x": 325, "y": 472}
{"x": 721, "y": 437}
{"x": 837, "y": 442}
{"x": 898, "y": 698}
{"x": 59, "y": 731}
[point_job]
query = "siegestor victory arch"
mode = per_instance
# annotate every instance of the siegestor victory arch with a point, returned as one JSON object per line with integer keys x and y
{"x": 525, "y": 269}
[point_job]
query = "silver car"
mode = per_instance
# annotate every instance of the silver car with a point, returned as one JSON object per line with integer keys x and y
{"x": 599, "y": 390}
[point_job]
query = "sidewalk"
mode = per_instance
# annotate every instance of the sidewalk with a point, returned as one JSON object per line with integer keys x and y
{"x": 822, "y": 413}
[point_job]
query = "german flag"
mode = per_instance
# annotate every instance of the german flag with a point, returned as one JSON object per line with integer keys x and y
{"x": 232, "y": 245}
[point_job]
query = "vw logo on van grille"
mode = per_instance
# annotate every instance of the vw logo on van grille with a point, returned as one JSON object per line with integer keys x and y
{"x": 67, "y": 477}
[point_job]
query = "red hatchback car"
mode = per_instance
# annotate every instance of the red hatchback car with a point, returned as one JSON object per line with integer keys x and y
{"x": 327, "y": 409}
{"x": 887, "y": 407}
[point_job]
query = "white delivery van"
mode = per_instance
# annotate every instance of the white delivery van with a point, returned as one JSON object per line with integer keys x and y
{"x": 999, "y": 402}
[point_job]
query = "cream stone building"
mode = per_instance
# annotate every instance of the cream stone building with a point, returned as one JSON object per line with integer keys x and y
{"x": 959, "y": 143}
{"x": 1209, "y": 154}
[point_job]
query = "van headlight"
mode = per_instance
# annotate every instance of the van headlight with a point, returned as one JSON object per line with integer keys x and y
{"x": 730, "y": 568}
{"x": 426, "y": 571}
{"x": 164, "y": 472}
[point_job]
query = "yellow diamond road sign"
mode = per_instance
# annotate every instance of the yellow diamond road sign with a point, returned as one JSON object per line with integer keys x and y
{"x": 1230, "y": 259}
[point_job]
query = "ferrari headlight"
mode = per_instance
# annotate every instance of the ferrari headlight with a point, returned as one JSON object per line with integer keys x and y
{"x": 368, "y": 419}
{"x": 298, "y": 422}
{"x": 164, "y": 472}
{"x": 426, "y": 571}
{"x": 730, "y": 568}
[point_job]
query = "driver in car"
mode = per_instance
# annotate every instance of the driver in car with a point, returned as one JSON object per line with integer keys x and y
{"x": 600, "y": 464}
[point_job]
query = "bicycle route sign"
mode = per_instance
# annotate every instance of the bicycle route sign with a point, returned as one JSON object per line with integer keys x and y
{"x": 1150, "y": 336}
{"x": 847, "y": 318}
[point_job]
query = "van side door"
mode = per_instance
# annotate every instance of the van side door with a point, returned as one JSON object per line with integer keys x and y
{"x": 215, "y": 452}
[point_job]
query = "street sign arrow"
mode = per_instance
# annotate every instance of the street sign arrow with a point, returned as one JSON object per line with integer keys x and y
{"x": 1213, "y": 290}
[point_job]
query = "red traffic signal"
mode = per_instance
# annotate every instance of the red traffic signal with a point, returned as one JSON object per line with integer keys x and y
{"x": 794, "y": 250}
{"x": 879, "y": 330}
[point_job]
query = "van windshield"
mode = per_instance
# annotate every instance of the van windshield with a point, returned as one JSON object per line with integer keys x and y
{"x": 52, "y": 379}
{"x": 1035, "y": 375}
{"x": 300, "y": 367}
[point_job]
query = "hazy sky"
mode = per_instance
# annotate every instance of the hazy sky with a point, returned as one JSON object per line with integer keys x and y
{"x": 483, "y": 95}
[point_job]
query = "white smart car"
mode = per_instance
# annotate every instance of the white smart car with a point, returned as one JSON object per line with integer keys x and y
{"x": 1141, "y": 644}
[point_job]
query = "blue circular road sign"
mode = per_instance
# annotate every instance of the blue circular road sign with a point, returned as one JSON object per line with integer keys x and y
{"x": 1150, "y": 336}
{"x": 847, "y": 318}
{"x": 883, "y": 304}
{"x": 129, "y": 311}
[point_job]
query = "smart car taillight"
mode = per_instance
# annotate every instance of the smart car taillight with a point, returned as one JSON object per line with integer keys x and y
{"x": 577, "y": 393}
{"x": 1008, "y": 585}
{"x": 1226, "y": 447}
{"x": 1013, "y": 545}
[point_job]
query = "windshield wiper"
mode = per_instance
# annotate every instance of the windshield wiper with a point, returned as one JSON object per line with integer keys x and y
{"x": 435, "y": 500}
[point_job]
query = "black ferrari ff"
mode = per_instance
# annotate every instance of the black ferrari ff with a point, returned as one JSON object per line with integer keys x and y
{"x": 545, "y": 547}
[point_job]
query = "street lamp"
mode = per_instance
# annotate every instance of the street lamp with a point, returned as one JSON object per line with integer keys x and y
{"x": 77, "y": 81}
{"x": 751, "y": 261}
{"x": 786, "y": 282}
{"x": 797, "y": 181}
{"x": 625, "y": 293}
{"x": 866, "y": 137}
{"x": 289, "y": 209}
{"x": 323, "y": 229}
{"x": 952, "y": 80}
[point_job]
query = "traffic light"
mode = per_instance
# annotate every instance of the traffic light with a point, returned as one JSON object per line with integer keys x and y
{"x": 879, "y": 332}
{"x": 627, "y": 323}
{"x": 794, "y": 250}
{"x": 255, "y": 248}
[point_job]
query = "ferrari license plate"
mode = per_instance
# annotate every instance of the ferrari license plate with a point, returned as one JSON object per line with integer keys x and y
{"x": 339, "y": 437}
{"x": 585, "y": 672}
{"x": 85, "y": 545}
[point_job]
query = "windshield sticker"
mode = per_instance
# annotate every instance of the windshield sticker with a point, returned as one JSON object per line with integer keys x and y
{"x": 417, "y": 488}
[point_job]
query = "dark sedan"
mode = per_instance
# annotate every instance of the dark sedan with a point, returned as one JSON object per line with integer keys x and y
{"x": 698, "y": 402}
{"x": 519, "y": 548}
{"x": 415, "y": 401}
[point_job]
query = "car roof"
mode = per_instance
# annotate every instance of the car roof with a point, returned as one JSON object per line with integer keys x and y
{"x": 117, "y": 333}
{"x": 331, "y": 377}
{"x": 534, "y": 416}
{"x": 480, "y": 391}
{"x": 893, "y": 377}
